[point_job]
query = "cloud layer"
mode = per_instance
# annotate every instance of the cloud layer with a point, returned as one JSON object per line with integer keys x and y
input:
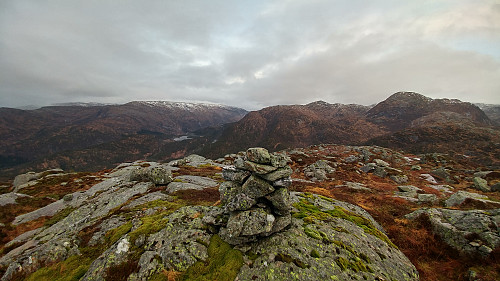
{"x": 247, "y": 53}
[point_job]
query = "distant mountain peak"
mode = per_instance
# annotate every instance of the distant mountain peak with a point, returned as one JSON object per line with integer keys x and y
{"x": 408, "y": 96}
{"x": 319, "y": 102}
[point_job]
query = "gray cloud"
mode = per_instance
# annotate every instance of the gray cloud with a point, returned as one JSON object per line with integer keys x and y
{"x": 247, "y": 53}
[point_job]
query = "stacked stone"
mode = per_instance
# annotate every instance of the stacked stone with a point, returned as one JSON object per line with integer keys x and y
{"x": 256, "y": 196}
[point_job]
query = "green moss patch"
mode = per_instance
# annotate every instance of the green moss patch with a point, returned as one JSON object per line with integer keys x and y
{"x": 59, "y": 216}
{"x": 223, "y": 263}
{"x": 355, "y": 265}
{"x": 311, "y": 214}
{"x": 72, "y": 269}
{"x": 289, "y": 259}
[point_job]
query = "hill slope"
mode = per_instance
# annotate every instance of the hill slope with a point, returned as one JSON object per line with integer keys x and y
{"x": 80, "y": 137}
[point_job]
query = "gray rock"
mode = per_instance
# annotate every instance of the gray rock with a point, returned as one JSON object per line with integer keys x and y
{"x": 68, "y": 197}
{"x": 258, "y": 155}
{"x": 455, "y": 227}
{"x": 249, "y": 223}
{"x": 429, "y": 178}
{"x": 399, "y": 178}
{"x": 459, "y": 197}
{"x": 416, "y": 168}
{"x": 159, "y": 175}
{"x": 260, "y": 169}
{"x": 442, "y": 174}
{"x": 278, "y": 174}
{"x": 230, "y": 173}
{"x": 286, "y": 182}
{"x": 202, "y": 181}
{"x": 496, "y": 187}
{"x": 177, "y": 186}
{"x": 443, "y": 188}
{"x": 25, "y": 178}
{"x": 10, "y": 198}
{"x": 228, "y": 189}
{"x": 256, "y": 187}
{"x": 481, "y": 184}
{"x": 351, "y": 159}
{"x": 381, "y": 163}
{"x": 319, "y": 170}
{"x": 279, "y": 160}
{"x": 380, "y": 172}
{"x": 239, "y": 202}
{"x": 427, "y": 198}
{"x": 280, "y": 199}
{"x": 409, "y": 188}
{"x": 158, "y": 195}
{"x": 354, "y": 185}
{"x": 368, "y": 167}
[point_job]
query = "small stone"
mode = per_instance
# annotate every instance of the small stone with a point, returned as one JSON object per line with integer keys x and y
{"x": 256, "y": 187}
{"x": 68, "y": 197}
{"x": 427, "y": 198}
{"x": 258, "y": 155}
{"x": 381, "y": 163}
{"x": 368, "y": 167}
{"x": 442, "y": 174}
{"x": 399, "y": 178}
{"x": 416, "y": 168}
{"x": 481, "y": 184}
{"x": 408, "y": 188}
{"x": 286, "y": 182}
{"x": 485, "y": 250}
{"x": 496, "y": 187}
{"x": 474, "y": 244}
{"x": 278, "y": 174}
{"x": 428, "y": 178}
{"x": 380, "y": 172}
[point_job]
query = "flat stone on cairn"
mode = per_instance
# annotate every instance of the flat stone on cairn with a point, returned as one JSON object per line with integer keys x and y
{"x": 256, "y": 196}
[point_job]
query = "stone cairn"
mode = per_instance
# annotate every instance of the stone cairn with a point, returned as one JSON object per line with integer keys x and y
{"x": 255, "y": 196}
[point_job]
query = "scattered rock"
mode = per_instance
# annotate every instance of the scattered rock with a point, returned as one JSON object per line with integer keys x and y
{"x": 399, "y": 179}
{"x": 459, "y": 197}
{"x": 10, "y": 198}
{"x": 25, "y": 178}
{"x": 456, "y": 228}
{"x": 381, "y": 163}
{"x": 496, "y": 187}
{"x": 427, "y": 198}
{"x": 429, "y": 178}
{"x": 481, "y": 184}
{"x": 158, "y": 175}
{"x": 354, "y": 185}
{"x": 319, "y": 171}
{"x": 442, "y": 174}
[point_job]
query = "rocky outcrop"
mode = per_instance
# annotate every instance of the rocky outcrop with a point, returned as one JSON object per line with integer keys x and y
{"x": 473, "y": 233}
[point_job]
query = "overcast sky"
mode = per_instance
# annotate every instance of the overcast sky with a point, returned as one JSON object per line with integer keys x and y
{"x": 249, "y": 54}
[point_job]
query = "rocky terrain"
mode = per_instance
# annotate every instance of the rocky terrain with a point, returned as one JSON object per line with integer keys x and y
{"x": 321, "y": 212}
{"x": 93, "y": 137}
